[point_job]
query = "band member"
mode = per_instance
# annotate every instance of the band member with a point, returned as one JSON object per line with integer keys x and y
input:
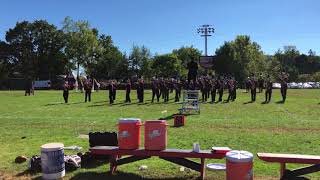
{"x": 177, "y": 90}
{"x": 253, "y": 88}
{"x": 155, "y": 89}
{"x": 140, "y": 90}
{"x": 66, "y": 91}
{"x": 260, "y": 83}
{"x": 268, "y": 85}
{"x": 28, "y": 87}
{"x": 284, "y": 79}
{"x": 87, "y": 88}
{"x": 220, "y": 90}
{"x": 231, "y": 90}
{"x": 111, "y": 88}
{"x": 193, "y": 71}
{"x": 128, "y": 90}
{"x": 166, "y": 91}
{"x": 114, "y": 94}
{"x": 214, "y": 86}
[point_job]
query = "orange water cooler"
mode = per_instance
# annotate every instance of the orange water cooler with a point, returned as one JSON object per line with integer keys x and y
{"x": 239, "y": 165}
{"x": 155, "y": 135}
{"x": 129, "y": 133}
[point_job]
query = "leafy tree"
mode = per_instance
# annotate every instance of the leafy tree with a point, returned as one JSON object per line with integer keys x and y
{"x": 240, "y": 58}
{"x": 110, "y": 62}
{"x": 167, "y": 65}
{"x": 140, "y": 61}
{"x": 82, "y": 43}
{"x": 35, "y": 49}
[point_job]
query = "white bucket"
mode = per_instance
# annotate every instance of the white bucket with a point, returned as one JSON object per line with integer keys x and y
{"x": 52, "y": 161}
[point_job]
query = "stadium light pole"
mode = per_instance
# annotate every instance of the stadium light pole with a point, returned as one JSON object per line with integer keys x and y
{"x": 205, "y": 31}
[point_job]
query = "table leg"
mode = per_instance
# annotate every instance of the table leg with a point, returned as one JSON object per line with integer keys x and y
{"x": 282, "y": 169}
{"x": 113, "y": 164}
{"x": 202, "y": 170}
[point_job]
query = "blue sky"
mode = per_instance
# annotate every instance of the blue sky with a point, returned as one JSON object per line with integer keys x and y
{"x": 163, "y": 25}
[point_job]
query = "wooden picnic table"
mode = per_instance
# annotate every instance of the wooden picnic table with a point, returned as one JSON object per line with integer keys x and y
{"x": 177, "y": 156}
{"x": 292, "y": 158}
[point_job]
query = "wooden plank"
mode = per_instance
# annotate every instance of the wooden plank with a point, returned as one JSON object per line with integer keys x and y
{"x": 289, "y": 158}
{"x": 114, "y": 150}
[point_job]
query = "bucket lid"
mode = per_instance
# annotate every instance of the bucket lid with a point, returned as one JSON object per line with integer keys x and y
{"x": 52, "y": 147}
{"x": 239, "y": 156}
{"x": 216, "y": 167}
{"x": 129, "y": 120}
{"x": 155, "y": 121}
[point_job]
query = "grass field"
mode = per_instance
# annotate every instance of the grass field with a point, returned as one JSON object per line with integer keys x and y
{"x": 293, "y": 127}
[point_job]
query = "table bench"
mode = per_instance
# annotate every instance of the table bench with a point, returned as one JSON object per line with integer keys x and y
{"x": 177, "y": 156}
{"x": 292, "y": 158}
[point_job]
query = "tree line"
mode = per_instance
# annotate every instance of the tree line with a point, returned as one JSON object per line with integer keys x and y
{"x": 40, "y": 50}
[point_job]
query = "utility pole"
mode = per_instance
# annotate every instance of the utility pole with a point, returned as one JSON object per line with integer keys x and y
{"x": 205, "y": 31}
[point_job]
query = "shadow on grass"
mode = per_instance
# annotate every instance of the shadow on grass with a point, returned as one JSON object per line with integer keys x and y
{"x": 118, "y": 176}
{"x": 30, "y": 173}
{"x": 279, "y": 102}
{"x": 249, "y": 102}
{"x": 54, "y": 104}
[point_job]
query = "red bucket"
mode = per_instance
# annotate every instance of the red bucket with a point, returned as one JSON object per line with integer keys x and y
{"x": 129, "y": 133}
{"x": 155, "y": 135}
{"x": 239, "y": 165}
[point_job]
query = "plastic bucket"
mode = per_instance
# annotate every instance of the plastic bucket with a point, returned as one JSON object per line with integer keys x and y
{"x": 239, "y": 165}
{"x": 52, "y": 161}
{"x": 155, "y": 135}
{"x": 129, "y": 133}
{"x": 179, "y": 120}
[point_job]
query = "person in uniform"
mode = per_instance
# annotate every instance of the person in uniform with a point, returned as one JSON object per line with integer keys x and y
{"x": 268, "y": 86}
{"x": 220, "y": 90}
{"x": 128, "y": 90}
{"x": 28, "y": 87}
{"x": 66, "y": 91}
{"x": 253, "y": 88}
{"x": 140, "y": 90}
{"x": 213, "y": 90}
{"x": 193, "y": 71}
{"x": 260, "y": 83}
{"x": 284, "y": 86}
{"x": 166, "y": 90}
{"x": 87, "y": 89}
{"x": 155, "y": 89}
{"x": 177, "y": 89}
{"x": 111, "y": 89}
{"x": 231, "y": 89}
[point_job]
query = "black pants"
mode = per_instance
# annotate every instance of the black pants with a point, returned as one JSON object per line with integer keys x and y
{"x": 65, "y": 96}
{"x": 204, "y": 96}
{"x": 114, "y": 95}
{"x": 230, "y": 96}
{"x": 234, "y": 94}
{"x": 155, "y": 93}
{"x": 213, "y": 95}
{"x": 111, "y": 97}
{"x": 166, "y": 95}
{"x": 140, "y": 95}
{"x": 284, "y": 94}
{"x": 220, "y": 91}
{"x": 268, "y": 94}
{"x": 177, "y": 96}
{"x": 88, "y": 95}
{"x": 128, "y": 96}
{"x": 253, "y": 94}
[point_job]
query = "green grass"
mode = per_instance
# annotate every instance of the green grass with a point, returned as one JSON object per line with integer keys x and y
{"x": 292, "y": 127}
